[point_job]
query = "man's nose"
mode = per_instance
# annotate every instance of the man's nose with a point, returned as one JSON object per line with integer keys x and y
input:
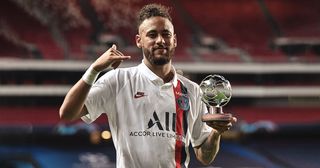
{"x": 160, "y": 40}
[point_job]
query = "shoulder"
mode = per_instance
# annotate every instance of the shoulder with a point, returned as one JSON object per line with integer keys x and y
{"x": 118, "y": 75}
{"x": 189, "y": 84}
{"x": 120, "y": 72}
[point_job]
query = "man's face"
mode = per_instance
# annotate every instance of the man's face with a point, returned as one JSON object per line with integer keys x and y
{"x": 157, "y": 40}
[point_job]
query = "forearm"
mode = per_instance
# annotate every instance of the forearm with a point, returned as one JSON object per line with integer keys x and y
{"x": 209, "y": 149}
{"x": 73, "y": 105}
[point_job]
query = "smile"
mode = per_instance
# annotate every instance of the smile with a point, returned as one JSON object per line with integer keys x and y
{"x": 160, "y": 49}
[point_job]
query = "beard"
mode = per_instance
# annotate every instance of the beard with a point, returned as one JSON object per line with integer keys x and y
{"x": 163, "y": 59}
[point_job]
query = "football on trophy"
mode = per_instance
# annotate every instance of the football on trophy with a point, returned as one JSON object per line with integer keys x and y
{"x": 216, "y": 90}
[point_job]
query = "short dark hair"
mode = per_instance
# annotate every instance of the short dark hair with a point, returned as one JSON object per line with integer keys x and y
{"x": 152, "y": 10}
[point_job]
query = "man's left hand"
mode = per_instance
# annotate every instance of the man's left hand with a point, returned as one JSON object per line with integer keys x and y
{"x": 219, "y": 122}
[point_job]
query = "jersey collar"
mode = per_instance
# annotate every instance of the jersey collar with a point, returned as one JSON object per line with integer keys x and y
{"x": 153, "y": 77}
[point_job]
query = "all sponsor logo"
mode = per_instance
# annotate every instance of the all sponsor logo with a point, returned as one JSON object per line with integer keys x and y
{"x": 167, "y": 125}
{"x": 160, "y": 129}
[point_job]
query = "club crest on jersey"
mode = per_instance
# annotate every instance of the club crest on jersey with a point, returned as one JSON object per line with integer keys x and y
{"x": 183, "y": 102}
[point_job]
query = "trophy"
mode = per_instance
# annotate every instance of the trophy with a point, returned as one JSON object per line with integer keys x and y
{"x": 216, "y": 92}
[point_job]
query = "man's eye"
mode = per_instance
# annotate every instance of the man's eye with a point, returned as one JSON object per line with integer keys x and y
{"x": 166, "y": 35}
{"x": 152, "y": 35}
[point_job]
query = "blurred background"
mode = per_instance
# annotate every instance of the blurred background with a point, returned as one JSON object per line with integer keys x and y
{"x": 268, "y": 49}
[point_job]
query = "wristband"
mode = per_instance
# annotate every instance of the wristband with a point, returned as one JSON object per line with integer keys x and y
{"x": 90, "y": 76}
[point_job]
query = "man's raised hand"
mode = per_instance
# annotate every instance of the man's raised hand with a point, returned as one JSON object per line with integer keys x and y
{"x": 112, "y": 57}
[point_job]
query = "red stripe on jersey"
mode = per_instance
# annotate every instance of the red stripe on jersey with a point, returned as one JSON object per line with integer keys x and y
{"x": 179, "y": 127}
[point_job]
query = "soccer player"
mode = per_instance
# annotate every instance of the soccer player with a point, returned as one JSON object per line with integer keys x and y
{"x": 154, "y": 113}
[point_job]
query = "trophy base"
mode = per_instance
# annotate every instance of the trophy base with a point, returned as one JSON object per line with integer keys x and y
{"x": 216, "y": 118}
{"x": 216, "y": 115}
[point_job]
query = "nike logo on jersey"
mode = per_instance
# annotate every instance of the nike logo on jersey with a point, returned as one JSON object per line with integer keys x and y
{"x": 139, "y": 95}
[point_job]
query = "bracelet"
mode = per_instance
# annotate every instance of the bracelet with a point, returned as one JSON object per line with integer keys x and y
{"x": 90, "y": 76}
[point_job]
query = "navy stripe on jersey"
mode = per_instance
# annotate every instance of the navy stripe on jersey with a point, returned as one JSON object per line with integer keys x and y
{"x": 182, "y": 108}
{"x": 185, "y": 124}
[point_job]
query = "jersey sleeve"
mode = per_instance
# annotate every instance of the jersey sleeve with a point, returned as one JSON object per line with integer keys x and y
{"x": 200, "y": 130}
{"x": 101, "y": 97}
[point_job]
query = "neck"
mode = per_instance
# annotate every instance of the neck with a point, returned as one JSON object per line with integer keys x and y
{"x": 165, "y": 72}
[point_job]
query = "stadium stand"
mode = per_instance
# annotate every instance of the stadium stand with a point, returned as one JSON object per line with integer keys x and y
{"x": 245, "y": 40}
{"x": 297, "y": 24}
{"x": 238, "y": 24}
{"x": 29, "y": 30}
{"x": 221, "y": 32}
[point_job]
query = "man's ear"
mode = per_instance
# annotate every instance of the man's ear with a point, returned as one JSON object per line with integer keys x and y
{"x": 138, "y": 41}
{"x": 175, "y": 43}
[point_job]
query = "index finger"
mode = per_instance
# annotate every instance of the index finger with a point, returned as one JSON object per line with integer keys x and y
{"x": 117, "y": 52}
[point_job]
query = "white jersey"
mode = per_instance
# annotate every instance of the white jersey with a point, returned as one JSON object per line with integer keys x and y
{"x": 152, "y": 123}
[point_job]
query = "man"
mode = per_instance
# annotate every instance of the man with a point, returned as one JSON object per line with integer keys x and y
{"x": 154, "y": 113}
